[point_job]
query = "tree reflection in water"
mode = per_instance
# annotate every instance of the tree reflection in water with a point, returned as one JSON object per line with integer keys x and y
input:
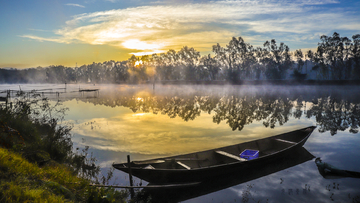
{"x": 333, "y": 110}
{"x": 333, "y": 114}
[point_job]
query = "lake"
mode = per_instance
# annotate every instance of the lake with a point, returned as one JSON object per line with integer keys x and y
{"x": 146, "y": 121}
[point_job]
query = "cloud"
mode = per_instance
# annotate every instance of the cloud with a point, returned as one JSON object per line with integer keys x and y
{"x": 41, "y": 39}
{"x": 162, "y": 26}
{"x": 39, "y": 30}
{"x": 76, "y": 5}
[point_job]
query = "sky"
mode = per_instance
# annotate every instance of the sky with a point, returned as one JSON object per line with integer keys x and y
{"x": 75, "y": 32}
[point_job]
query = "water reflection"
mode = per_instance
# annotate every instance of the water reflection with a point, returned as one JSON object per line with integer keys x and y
{"x": 333, "y": 114}
{"x": 334, "y": 110}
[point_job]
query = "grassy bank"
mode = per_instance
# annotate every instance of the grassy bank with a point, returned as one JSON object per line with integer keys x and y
{"x": 37, "y": 160}
{"x": 22, "y": 181}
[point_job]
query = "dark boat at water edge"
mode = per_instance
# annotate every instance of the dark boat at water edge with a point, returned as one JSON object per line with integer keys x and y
{"x": 199, "y": 166}
{"x": 210, "y": 185}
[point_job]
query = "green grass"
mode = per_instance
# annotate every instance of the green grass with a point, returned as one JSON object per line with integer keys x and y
{"x": 37, "y": 163}
{"x": 22, "y": 181}
{"x": 14, "y": 192}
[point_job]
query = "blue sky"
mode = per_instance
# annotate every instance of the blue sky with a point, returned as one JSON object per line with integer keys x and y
{"x": 42, "y": 32}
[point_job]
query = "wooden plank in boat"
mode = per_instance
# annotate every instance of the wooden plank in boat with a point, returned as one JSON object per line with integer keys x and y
{"x": 230, "y": 155}
{"x": 159, "y": 161}
{"x": 149, "y": 167}
{"x": 286, "y": 141}
{"x": 149, "y": 162}
{"x": 183, "y": 159}
{"x": 183, "y": 165}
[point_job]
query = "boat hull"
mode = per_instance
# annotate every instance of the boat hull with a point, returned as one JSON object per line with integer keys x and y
{"x": 171, "y": 175}
{"x": 210, "y": 185}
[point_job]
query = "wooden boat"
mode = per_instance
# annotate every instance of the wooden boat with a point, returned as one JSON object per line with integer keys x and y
{"x": 210, "y": 185}
{"x": 199, "y": 166}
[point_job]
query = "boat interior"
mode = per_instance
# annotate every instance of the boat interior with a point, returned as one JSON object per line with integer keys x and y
{"x": 225, "y": 155}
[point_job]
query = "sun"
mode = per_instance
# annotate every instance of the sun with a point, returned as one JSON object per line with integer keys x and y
{"x": 143, "y": 48}
{"x": 137, "y": 63}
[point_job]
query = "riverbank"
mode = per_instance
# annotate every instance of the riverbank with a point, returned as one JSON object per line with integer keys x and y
{"x": 23, "y": 181}
{"x": 37, "y": 159}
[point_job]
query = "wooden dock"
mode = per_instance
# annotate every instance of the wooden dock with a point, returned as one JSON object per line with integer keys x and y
{"x": 89, "y": 90}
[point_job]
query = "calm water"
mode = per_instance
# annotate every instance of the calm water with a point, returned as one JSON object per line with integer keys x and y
{"x": 147, "y": 123}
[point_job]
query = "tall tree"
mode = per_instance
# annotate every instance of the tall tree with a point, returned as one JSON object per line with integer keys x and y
{"x": 355, "y": 56}
{"x": 261, "y": 61}
{"x": 299, "y": 59}
{"x": 189, "y": 58}
{"x": 237, "y": 58}
{"x": 321, "y": 69}
{"x": 165, "y": 65}
{"x": 332, "y": 56}
{"x": 121, "y": 72}
{"x": 137, "y": 69}
{"x": 210, "y": 65}
{"x": 299, "y": 65}
{"x": 277, "y": 59}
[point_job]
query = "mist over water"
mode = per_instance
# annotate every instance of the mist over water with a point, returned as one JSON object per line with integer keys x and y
{"x": 147, "y": 122}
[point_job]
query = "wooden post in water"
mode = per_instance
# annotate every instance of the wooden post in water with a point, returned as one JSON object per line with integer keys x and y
{"x": 130, "y": 177}
{"x": 7, "y": 98}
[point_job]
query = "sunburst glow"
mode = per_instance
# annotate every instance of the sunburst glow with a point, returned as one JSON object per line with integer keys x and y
{"x": 140, "y": 45}
{"x": 137, "y": 63}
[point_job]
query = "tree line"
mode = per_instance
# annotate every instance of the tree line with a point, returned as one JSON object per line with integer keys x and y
{"x": 336, "y": 58}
